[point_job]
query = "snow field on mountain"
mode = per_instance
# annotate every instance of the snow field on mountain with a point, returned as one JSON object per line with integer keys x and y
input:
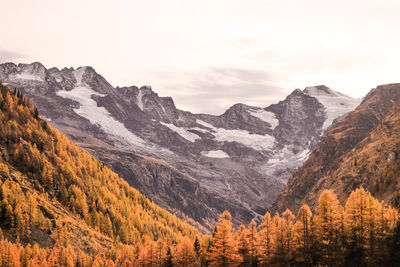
{"x": 266, "y": 116}
{"x": 255, "y": 141}
{"x": 95, "y": 114}
{"x": 215, "y": 154}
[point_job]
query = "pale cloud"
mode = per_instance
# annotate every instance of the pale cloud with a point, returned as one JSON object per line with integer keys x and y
{"x": 215, "y": 89}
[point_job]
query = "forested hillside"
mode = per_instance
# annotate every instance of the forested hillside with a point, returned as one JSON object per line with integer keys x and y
{"x": 54, "y": 194}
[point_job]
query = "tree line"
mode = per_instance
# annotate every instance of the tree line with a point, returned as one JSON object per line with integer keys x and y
{"x": 365, "y": 232}
{"x": 40, "y": 165}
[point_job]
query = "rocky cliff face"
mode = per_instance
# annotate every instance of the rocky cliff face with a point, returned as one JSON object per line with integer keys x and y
{"x": 239, "y": 160}
{"x": 359, "y": 150}
{"x": 302, "y": 118}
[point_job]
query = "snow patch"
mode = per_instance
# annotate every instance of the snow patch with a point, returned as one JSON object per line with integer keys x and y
{"x": 139, "y": 99}
{"x": 219, "y": 154}
{"x": 182, "y": 132}
{"x": 205, "y": 124}
{"x": 255, "y": 141}
{"x": 265, "y": 116}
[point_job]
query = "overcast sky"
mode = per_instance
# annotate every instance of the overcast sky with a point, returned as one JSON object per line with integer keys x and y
{"x": 210, "y": 54}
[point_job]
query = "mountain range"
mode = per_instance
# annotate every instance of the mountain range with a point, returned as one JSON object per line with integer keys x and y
{"x": 195, "y": 165}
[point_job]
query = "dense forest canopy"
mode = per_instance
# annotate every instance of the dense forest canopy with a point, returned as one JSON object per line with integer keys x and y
{"x": 364, "y": 232}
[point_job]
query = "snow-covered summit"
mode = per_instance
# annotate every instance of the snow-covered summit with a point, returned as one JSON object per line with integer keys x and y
{"x": 320, "y": 90}
{"x": 336, "y": 104}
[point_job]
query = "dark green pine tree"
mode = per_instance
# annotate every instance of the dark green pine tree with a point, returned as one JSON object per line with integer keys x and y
{"x": 169, "y": 260}
{"x": 393, "y": 257}
{"x": 36, "y": 115}
{"x": 196, "y": 246}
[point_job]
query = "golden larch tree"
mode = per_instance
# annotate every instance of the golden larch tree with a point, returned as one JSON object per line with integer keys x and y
{"x": 303, "y": 236}
{"x": 242, "y": 240}
{"x": 265, "y": 241}
{"x": 252, "y": 238}
{"x": 185, "y": 255}
{"x": 223, "y": 251}
{"x": 328, "y": 222}
{"x": 283, "y": 237}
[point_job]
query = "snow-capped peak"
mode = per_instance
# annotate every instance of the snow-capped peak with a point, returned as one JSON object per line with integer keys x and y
{"x": 336, "y": 104}
{"x": 320, "y": 90}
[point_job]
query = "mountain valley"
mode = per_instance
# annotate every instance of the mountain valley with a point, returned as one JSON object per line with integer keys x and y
{"x": 238, "y": 161}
